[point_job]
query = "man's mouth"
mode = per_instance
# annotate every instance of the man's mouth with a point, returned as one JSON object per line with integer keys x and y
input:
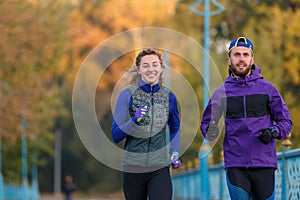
{"x": 241, "y": 66}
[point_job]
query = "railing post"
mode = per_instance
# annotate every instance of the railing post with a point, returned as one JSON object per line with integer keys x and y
{"x": 34, "y": 175}
{"x": 203, "y": 170}
{"x": 198, "y": 181}
{"x": 190, "y": 180}
{"x": 284, "y": 182}
{"x": 183, "y": 187}
{"x": 1, "y": 177}
{"x": 0, "y": 156}
{"x": 1, "y": 187}
{"x": 24, "y": 160}
{"x": 221, "y": 191}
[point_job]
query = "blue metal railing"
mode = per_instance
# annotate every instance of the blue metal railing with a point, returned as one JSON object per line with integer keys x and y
{"x": 288, "y": 175}
{"x": 22, "y": 191}
{"x": 19, "y": 191}
{"x": 187, "y": 184}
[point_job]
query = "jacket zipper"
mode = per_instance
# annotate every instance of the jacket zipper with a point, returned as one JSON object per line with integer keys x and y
{"x": 245, "y": 116}
{"x": 151, "y": 126}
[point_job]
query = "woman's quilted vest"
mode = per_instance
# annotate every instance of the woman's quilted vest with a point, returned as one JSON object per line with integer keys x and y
{"x": 147, "y": 146}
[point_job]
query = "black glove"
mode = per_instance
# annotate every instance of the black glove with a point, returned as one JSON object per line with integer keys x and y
{"x": 266, "y": 135}
{"x": 212, "y": 131}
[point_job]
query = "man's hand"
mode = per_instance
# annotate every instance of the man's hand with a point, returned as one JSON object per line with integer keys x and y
{"x": 212, "y": 131}
{"x": 175, "y": 162}
{"x": 140, "y": 113}
{"x": 266, "y": 135}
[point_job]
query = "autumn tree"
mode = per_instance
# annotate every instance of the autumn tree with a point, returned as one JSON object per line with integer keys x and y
{"x": 32, "y": 42}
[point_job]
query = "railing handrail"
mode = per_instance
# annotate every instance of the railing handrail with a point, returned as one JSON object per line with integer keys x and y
{"x": 290, "y": 153}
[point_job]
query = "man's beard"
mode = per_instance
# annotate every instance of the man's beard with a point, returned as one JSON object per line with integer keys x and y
{"x": 239, "y": 73}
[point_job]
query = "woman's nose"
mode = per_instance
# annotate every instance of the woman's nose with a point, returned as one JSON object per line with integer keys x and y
{"x": 151, "y": 68}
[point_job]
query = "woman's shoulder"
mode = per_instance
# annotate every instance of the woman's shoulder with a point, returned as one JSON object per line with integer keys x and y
{"x": 172, "y": 96}
{"x": 125, "y": 93}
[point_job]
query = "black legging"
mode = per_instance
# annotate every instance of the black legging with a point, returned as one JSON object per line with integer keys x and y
{"x": 156, "y": 185}
{"x": 254, "y": 183}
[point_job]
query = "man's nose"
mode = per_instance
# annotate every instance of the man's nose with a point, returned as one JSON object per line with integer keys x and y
{"x": 242, "y": 58}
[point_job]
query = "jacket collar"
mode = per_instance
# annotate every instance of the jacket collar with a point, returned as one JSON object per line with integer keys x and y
{"x": 255, "y": 74}
{"x": 147, "y": 87}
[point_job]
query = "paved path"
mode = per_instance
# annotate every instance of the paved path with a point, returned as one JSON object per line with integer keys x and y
{"x": 60, "y": 197}
{"x": 79, "y": 198}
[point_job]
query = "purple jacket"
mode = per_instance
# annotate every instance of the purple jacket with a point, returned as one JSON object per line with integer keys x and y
{"x": 248, "y": 105}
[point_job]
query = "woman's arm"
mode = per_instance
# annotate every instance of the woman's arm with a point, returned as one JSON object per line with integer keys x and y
{"x": 122, "y": 124}
{"x": 174, "y": 124}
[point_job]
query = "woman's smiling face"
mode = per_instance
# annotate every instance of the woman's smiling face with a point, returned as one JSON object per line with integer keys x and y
{"x": 150, "y": 69}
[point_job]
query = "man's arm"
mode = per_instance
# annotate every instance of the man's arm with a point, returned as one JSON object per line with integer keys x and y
{"x": 281, "y": 115}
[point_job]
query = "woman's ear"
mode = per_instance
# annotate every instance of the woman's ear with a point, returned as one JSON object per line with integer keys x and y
{"x": 138, "y": 69}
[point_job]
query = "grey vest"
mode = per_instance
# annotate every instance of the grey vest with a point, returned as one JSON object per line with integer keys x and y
{"x": 147, "y": 146}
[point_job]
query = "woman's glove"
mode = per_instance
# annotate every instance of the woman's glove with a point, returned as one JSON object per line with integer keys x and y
{"x": 175, "y": 162}
{"x": 140, "y": 113}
